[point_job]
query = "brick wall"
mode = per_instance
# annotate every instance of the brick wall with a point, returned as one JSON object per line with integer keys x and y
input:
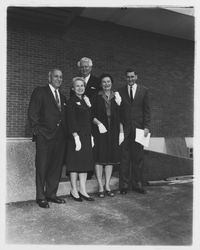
{"x": 164, "y": 64}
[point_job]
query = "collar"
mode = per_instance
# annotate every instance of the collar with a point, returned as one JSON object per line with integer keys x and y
{"x": 101, "y": 93}
{"x": 52, "y": 88}
{"x": 134, "y": 86}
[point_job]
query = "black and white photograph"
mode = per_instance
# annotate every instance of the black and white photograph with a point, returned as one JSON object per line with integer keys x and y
{"x": 100, "y": 124}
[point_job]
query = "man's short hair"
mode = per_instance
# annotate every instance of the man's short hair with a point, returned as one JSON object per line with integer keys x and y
{"x": 51, "y": 71}
{"x": 130, "y": 70}
{"x": 85, "y": 59}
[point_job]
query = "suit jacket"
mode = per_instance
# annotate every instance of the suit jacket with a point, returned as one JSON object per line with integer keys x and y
{"x": 92, "y": 87}
{"x": 136, "y": 114}
{"x": 78, "y": 116}
{"x": 44, "y": 115}
{"x": 99, "y": 112}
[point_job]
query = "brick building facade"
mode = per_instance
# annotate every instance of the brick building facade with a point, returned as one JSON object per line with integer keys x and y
{"x": 164, "y": 64}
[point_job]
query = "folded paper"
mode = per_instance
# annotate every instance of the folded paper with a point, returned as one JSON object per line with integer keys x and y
{"x": 140, "y": 138}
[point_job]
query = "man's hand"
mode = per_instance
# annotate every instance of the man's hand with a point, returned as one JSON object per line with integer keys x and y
{"x": 146, "y": 131}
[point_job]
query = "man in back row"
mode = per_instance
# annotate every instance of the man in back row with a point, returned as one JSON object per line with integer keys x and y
{"x": 92, "y": 82}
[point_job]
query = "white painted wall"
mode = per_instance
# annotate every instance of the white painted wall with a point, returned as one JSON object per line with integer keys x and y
{"x": 157, "y": 144}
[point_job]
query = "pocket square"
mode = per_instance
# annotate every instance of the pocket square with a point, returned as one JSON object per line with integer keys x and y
{"x": 93, "y": 88}
{"x": 64, "y": 104}
{"x": 78, "y": 103}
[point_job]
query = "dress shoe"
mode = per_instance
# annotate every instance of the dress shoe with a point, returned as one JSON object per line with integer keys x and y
{"x": 140, "y": 190}
{"x": 110, "y": 193}
{"x": 123, "y": 191}
{"x": 74, "y": 198}
{"x": 85, "y": 197}
{"x": 101, "y": 194}
{"x": 56, "y": 200}
{"x": 42, "y": 203}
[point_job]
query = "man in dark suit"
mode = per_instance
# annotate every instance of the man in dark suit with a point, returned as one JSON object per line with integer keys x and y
{"x": 135, "y": 113}
{"x": 92, "y": 82}
{"x": 46, "y": 114}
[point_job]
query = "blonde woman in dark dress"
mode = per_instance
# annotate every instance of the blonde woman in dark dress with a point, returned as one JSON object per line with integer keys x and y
{"x": 108, "y": 133}
{"x": 79, "y": 159}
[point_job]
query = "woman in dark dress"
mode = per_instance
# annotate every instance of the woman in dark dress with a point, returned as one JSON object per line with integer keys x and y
{"x": 108, "y": 132}
{"x": 79, "y": 159}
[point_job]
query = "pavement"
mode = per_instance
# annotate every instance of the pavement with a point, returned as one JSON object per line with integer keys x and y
{"x": 163, "y": 216}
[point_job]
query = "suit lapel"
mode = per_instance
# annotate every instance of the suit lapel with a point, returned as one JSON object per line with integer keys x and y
{"x": 126, "y": 94}
{"x": 88, "y": 83}
{"x": 136, "y": 93}
{"x": 80, "y": 102}
{"x": 51, "y": 96}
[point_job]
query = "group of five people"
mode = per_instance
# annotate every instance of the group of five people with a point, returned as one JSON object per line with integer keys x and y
{"x": 97, "y": 127}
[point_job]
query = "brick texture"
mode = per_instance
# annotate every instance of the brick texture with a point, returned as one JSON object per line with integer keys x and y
{"x": 164, "y": 64}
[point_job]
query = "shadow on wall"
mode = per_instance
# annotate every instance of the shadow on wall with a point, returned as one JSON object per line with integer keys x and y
{"x": 160, "y": 166}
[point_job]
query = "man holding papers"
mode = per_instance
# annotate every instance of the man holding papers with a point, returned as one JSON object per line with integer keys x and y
{"x": 135, "y": 115}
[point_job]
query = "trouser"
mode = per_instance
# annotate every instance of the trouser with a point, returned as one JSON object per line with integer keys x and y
{"x": 132, "y": 162}
{"x": 49, "y": 162}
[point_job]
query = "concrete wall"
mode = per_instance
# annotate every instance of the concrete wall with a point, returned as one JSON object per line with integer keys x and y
{"x": 21, "y": 170}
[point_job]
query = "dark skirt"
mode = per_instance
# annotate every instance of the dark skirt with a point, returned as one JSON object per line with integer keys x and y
{"x": 82, "y": 160}
{"x": 107, "y": 150}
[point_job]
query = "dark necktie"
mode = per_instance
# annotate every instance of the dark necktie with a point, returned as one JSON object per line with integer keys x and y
{"x": 57, "y": 99}
{"x": 131, "y": 93}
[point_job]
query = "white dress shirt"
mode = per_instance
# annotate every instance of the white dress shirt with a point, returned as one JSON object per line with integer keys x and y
{"x": 53, "y": 91}
{"x": 87, "y": 79}
{"x": 134, "y": 87}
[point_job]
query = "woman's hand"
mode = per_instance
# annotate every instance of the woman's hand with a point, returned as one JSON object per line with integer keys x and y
{"x": 92, "y": 141}
{"x": 77, "y": 142}
{"x": 121, "y": 137}
{"x": 102, "y": 128}
{"x": 118, "y": 98}
{"x": 87, "y": 101}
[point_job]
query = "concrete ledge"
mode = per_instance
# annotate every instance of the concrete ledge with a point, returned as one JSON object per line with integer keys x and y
{"x": 160, "y": 166}
{"x": 21, "y": 173}
{"x": 21, "y": 170}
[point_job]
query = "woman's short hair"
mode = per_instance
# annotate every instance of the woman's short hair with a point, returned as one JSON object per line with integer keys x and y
{"x": 77, "y": 78}
{"x": 105, "y": 75}
{"x": 85, "y": 59}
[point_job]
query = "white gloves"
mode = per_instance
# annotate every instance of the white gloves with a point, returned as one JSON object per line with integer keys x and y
{"x": 121, "y": 137}
{"x": 77, "y": 142}
{"x": 92, "y": 141}
{"x": 118, "y": 98}
{"x": 101, "y": 128}
{"x": 87, "y": 101}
